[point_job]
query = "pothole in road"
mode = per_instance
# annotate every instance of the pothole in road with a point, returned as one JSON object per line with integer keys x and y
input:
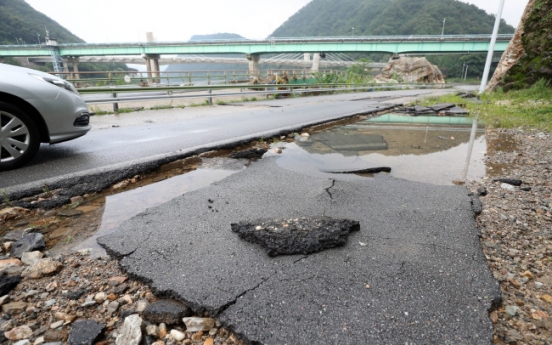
{"x": 428, "y": 151}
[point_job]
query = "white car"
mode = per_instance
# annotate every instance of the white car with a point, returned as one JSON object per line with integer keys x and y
{"x": 36, "y": 107}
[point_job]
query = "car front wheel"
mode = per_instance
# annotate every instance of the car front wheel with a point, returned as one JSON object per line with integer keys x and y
{"x": 19, "y": 137}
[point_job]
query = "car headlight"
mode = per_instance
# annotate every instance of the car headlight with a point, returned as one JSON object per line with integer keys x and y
{"x": 57, "y": 82}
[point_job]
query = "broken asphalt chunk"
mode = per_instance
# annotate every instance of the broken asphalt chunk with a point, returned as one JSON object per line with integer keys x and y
{"x": 282, "y": 236}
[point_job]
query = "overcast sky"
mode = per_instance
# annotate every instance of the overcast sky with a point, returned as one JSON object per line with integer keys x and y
{"x": 108, "y": 21}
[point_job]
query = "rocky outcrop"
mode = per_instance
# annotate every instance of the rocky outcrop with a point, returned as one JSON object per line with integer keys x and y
{"x": 513, "y": 53}
{"x": 533, "y": 45}
{"x": 410, "y": 69}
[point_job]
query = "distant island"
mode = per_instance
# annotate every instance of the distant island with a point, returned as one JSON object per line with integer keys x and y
{"x": 219, "y": 36}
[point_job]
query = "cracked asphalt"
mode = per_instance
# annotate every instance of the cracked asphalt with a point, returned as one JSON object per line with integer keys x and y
{"x": 413, "y": 274}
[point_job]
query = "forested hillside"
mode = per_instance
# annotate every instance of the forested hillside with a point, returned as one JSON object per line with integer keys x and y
{"x": 397, "y": 17}
{"x": 20, "y": 23}
{"x": 388, "y": 17}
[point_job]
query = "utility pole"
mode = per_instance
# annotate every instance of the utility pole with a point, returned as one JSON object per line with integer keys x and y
{"x": 353, "y": 34}
{"x": 485, "y": 77}
{"x": 443, "y": 31}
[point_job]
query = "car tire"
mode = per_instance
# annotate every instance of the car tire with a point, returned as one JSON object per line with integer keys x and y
{"x": 19, "y": 137}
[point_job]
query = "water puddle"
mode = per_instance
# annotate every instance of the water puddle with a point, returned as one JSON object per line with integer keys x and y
{"x": 112, "y": 210}
{"x": 424, "y": 148}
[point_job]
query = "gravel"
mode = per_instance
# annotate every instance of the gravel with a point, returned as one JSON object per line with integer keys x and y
{"x": 516, "y": 239}
{"x": 516, "y": 227}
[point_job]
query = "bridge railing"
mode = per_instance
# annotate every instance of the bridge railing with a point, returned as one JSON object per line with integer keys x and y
{"x": 480, "y": 37}
{"x": 116, "y": 95}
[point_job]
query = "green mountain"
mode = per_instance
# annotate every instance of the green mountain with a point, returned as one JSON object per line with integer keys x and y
{"x": 388, "y": 17}
{"x": 397, "y": 17}
{"x": 20, "y": 23}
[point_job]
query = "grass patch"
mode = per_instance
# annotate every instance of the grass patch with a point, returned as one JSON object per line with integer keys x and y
{"x": 125, "y": 110}
{"x": 162, "y": 107}
{"x": 5, "y": 197}
{"x": 529, "y": 108}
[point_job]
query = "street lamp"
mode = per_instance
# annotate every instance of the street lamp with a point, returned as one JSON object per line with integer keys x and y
{"x": 491, "y": 49}
{"x": 353, "y": 31}
{"x": 443, "y": 31}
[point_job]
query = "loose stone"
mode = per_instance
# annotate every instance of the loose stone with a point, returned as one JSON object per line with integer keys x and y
{"x": 177, "y": 335}
{"x": 131, "y": 334}
{"x": 198, "y": 324}
{"x": 28, "y": 243}
{"x": 30, "y": 258}
{"x": 85, "y": 332}
{"x": 19, "y": 333}
{"x": 42, "y": 268}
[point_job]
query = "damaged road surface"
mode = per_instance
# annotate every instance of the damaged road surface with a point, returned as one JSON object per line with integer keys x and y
{"x": 413, "y": 273}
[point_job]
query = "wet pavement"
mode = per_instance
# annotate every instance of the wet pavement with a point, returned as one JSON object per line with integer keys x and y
{"x": 414, "y": 273}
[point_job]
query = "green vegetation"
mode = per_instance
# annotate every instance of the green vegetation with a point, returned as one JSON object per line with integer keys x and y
{"x": 21, "y": 24}
{"x": 161, "y": 107}
{"x": 67, "y": 239}
{"x": 5, "y": 197}
{"x": 528, "y": 108}
{"x": 388, "y": 17}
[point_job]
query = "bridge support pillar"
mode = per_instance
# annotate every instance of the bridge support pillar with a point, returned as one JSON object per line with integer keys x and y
{"x": 307, "y": 57}
{"x": 253, "y": 63}
{"x": 152, "y": 64}
{"x": 75, "y": 62}
{"x": 315, "y": 62}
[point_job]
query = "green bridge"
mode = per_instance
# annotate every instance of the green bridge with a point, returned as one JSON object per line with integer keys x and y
{"x": 61, "y": 54}
{"x": 375, "y": 44}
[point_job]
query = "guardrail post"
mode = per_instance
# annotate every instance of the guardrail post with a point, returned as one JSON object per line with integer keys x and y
{"x": 210, "y": 91}
{"x": 115, "y": 105}
{"x": 114, "y": 94}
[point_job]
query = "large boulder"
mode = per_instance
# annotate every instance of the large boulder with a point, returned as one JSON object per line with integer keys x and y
{"x": 527, "y": 58}
{"x": 410, "y": 70}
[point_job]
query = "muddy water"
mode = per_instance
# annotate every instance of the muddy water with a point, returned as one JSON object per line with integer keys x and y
{"x": 430, "y": 150}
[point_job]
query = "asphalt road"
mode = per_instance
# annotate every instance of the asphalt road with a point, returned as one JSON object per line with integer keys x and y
{"x": 413, "y": 274}
{"x": 122, "y": 141}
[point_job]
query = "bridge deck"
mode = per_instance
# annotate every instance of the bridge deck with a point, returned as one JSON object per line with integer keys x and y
{"x": 372, "y": 44}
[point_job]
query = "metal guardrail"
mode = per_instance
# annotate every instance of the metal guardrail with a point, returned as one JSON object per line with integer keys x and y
{"x": 167, "y": 92}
